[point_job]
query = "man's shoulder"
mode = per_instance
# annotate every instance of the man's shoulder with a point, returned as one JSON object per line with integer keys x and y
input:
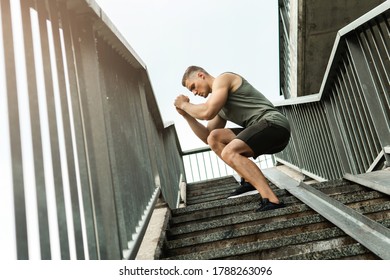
{"x": 230, "y": 75}
{"x": 231, "y": 79}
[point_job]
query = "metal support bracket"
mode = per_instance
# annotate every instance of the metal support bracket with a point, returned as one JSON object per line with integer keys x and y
{"x": 377, "y": 180}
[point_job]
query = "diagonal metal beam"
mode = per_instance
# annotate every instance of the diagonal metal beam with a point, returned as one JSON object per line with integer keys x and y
{"x": 369, "y": 233}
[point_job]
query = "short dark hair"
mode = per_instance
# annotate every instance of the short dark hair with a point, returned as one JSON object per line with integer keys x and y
{"x": 191, "y": 70}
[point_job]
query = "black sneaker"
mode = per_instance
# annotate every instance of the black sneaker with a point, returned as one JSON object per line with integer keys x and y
{"x": 266, "y": 205}
{"x": 244, "y": 189}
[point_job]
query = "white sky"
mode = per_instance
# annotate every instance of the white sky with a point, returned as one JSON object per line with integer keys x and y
{"x": 219, "y": 35}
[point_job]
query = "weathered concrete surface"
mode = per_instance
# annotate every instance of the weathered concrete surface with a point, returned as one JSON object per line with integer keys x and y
{"x": 230, "y": 229}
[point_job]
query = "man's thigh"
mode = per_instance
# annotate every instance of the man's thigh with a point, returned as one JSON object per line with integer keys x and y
{"x": 264, "y": 137}
{"x": 223, "y": 135}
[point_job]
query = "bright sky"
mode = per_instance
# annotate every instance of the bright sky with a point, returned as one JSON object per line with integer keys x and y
{"x": 219, "y": 35}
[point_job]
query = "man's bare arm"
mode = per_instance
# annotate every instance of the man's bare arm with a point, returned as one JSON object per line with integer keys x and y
{"x": 209, "y": 109}
{"x": 199, "y": 129}
{"x": 215, "y": 123}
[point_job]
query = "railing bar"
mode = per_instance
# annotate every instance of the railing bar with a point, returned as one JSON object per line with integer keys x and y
{"x": 211, "y": 164}
{"x": 335, "y": 162}
{"x": 205, "y": 167}
{"x": 193, "y": 168}
{"x": 337, "y": 132}
{"x": 382, "y": 23}
{"x": 212, "y": 169}
{"x": 8, "y": 241}
{"x": 328, "y": 144}
{"x": 188, "y": 171}
{"x": 197, "y": 164}
{"x": 222, "y": 165}
{"x": 385, "y": 34}
{"x": 323, "y": 168}
{"x": 362, "y": 111}
{"x": 288, "y": 150}
{"x": 342, "y": 125}
{"x": 193, "y": 161}
{"x": 311, "y": 163}
{"x": 217, "y": 161}
{"x": 348, "y": 120}
{"x": 324, "y": 136}
{"x": 83, "y": 182}
{"x": 296, "y": 148}
{"x": 310, "y": 144}
{"x": 70, "y": 190}
{"x": 316, "y": 145}
{"x": 26, "y": 134}
{"x": 297, "y": 132}
{"x": 324, "y": 144}
{"x": 43, "y": 221}
{"x": 367, "y": 116}
{"x": 376, "y": 48}
{"x": 192, "y": 173}
{"x": 371, "y": 141}
{"x": 355, "y": 119}
{"x": 385, "y": 85}
{"x": 15, "y": 132}
{"x": 208, "y": 171}
{"x": 54, "y": 138}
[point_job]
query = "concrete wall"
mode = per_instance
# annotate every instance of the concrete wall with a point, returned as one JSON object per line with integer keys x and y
{"x": 314, "y": 30}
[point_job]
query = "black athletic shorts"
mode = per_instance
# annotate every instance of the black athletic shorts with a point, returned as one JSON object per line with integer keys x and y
{"x": 264, "y": 137}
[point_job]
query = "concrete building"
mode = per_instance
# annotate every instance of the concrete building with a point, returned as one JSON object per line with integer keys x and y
{"x": 307, "y": 31}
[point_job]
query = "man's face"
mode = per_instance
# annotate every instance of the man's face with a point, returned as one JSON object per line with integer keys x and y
{"x": 198, "y": 85}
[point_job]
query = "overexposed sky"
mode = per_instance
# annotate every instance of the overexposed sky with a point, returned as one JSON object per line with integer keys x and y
{"x": 219, "y": 35}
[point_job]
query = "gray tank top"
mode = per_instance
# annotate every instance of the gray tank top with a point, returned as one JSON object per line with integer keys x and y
{"x": 246, "y": 106}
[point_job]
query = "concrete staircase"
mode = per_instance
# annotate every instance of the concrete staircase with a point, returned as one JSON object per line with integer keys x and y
{"x": 213, "y": 227}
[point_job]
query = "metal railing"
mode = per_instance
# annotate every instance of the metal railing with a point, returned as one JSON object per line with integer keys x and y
{"x": 203, "y": 164}
{"x": 345, "y": 128}
{"x": 84, "y": 151}
{"x": 284, "y": 48}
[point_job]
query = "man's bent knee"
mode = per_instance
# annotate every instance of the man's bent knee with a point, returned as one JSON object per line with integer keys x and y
{"x": 228, "y": 154}
{"x": 213, "y": 139}
{"x": 236, "y": 147}
{"x": 219, "y": 136}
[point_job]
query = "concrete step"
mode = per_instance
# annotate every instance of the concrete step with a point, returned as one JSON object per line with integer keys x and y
{"x": 220, "y": 228}
{"x": 295, "y": 218}
{"x": 338, "y": 248}
{"x": 217, "y": 209}
{"x": 242, "y": 210}
{"x": 212, "y": 190}
{"x": 254, "y": 247}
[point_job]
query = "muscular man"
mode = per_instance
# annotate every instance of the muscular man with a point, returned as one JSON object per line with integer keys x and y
{"x": 264, "y": 129}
